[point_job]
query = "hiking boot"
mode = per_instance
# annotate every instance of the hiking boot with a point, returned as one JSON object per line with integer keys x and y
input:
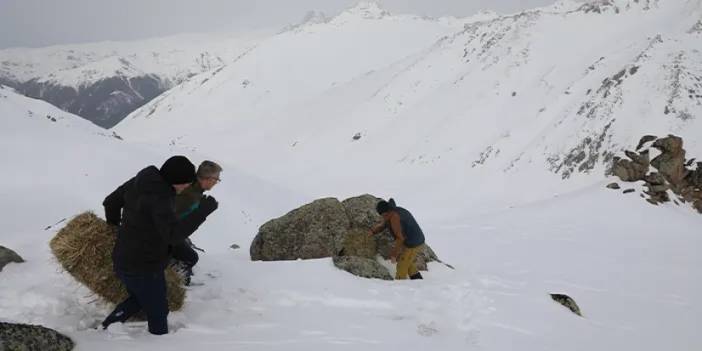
{"x": 416, "y": 276}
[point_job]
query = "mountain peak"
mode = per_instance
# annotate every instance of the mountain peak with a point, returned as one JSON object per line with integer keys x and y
{"x": 310, "y": 18}
{"x": 617, "y": 6}
{"x": 313, "y": 16}
{"x": 368, "y": 10}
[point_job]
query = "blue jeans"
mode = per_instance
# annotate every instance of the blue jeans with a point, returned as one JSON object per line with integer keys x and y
{"x": 147, "y": 291}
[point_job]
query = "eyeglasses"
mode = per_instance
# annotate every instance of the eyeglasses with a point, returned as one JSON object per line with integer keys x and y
{"x": 215, "y": 179}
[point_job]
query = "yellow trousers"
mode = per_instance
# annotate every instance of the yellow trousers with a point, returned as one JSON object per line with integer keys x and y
{"x": 405, "y": 262}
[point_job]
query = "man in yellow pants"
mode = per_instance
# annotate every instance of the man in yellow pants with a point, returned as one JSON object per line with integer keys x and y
{"x": 409, "y": 238}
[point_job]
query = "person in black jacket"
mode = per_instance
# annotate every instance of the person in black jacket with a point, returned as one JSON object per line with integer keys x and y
{"x": 144, "y": 210}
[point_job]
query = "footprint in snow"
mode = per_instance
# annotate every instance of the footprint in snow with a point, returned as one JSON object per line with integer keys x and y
{"x": 427, "y": 329}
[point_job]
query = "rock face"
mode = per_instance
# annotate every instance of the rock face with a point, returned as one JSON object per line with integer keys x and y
{"x": 330, "y": 228}
{"x": 668, "y": 172}
{"x": 7, "y": 256}
{"x": 25, "y": 337}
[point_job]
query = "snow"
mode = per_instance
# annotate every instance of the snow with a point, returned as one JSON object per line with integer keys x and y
{"x": 514, "y": 235}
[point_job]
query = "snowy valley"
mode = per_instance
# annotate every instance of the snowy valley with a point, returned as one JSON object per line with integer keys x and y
{"x": 496, "y": 131}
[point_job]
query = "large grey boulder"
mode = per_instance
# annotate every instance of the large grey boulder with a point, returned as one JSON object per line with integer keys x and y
{"x": 314, "y": 230}
{"x": 7, "y": 256}
{"x": 362, "y": 267}
{"x": 25, "y": 337}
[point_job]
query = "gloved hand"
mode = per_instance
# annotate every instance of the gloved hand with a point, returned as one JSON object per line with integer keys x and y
{"x": 208, "y": 204}
{"x": 113, "y": 216}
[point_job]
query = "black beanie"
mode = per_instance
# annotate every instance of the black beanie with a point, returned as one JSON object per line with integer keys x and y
{"x": 385, "y": 206}
{"x": 178, "y": 170}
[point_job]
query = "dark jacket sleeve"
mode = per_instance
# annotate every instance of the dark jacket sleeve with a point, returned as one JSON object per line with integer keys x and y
{"x": 172, "y": 230}
{"x": 114, "y": 202}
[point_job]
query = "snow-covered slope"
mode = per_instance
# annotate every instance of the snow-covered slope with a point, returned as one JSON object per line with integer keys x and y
{"x": 630, "y": 266}
{"x": 52, "y": 152}
{"x": 440, "y": 126}
{"x": 561, "y": 88}
{"x": 23, "y": 117}
{"x": 103, "y": 82}
{"x": 300, "y": 64}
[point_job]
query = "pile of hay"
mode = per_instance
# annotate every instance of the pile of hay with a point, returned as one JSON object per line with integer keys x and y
{"x": 84, "y": 249}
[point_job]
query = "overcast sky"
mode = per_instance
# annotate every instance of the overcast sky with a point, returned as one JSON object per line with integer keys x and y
{"x": 36, "y": 23}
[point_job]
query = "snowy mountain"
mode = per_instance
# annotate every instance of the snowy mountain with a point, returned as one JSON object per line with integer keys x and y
{"x": 562, "y": 88}
{"x": 494, "y": 131}
{"x": 629, "y": 265}
{"x": 103, "y": 82}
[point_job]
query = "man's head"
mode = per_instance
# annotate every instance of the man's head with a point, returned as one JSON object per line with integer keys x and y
{"x": 179, "y": 172}
{"x": 208, "y": 175}
{"x": 384, "y": 207}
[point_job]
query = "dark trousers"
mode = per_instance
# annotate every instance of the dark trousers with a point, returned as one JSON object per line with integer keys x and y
{"x": 146, "y": 292}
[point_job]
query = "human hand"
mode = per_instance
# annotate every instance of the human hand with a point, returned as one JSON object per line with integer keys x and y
{"x": 208, "y": 204}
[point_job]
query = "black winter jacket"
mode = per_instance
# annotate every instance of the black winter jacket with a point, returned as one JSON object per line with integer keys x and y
{"x": 147, "y": 222}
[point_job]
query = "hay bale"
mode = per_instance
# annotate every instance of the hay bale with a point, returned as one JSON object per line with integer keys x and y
{"x": 84, "y": 249}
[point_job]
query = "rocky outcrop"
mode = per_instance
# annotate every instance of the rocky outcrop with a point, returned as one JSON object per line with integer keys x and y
{"x": 25, "y": 337}
{"x": 633, "y": 169}
{"x": 331, "y": 228}
{"x": 666, "y": 175}
{"x": 671, "y": 162}
{"x": 8, "y": 256}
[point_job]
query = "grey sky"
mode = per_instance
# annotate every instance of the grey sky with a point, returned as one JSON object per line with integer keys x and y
{"x": 37, "y": 23}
